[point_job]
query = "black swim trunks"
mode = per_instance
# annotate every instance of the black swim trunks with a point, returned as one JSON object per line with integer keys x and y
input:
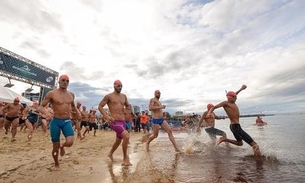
{"x": 240, "y": 134}
{"x": 213, "y": 132}
{"x": 11, "y": 119}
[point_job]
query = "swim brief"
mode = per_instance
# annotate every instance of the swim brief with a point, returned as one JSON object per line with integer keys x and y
{"x": 157, "y": 121}
{"x": 119, "y": 127}
{"x": 11, "y": 119}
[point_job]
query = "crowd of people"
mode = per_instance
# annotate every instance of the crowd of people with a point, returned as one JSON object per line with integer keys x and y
{"x": 58, "y": 112}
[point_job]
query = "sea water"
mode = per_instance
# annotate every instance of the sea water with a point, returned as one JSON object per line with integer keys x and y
{"x": 281, "y": 142}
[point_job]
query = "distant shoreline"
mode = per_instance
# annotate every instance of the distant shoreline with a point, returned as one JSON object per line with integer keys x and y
{"x": 255, "y": 115}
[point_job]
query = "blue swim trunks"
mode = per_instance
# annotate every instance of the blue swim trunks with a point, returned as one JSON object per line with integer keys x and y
{"x": 158, "y": 121}
{"x": 60, "y": 124}
{"x": 128, "y": 125}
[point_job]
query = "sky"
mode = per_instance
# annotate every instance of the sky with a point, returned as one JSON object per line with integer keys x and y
{"x": 193, "y": 51}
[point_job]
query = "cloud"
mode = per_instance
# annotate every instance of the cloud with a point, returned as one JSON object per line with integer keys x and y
{"x": 191, "y": 50}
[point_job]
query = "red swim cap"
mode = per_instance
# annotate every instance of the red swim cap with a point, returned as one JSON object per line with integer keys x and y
{"x": 65, "y": 77}
{"x": 209, "y": 106}
{"x": 78, "y": 103}
{"x": 157, "y": 92}
{"x": 16, "y": 99}
{"x": 117, "y": 82}
{"x": 231, "y": 94}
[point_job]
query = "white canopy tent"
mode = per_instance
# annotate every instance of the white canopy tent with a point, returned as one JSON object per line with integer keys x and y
{"x": 7, "y": 95}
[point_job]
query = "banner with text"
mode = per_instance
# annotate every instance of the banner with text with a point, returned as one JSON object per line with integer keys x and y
{"x": 20, "y": 68}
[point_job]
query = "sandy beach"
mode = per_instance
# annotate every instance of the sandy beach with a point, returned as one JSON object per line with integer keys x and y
{"x": 85, "y": 161}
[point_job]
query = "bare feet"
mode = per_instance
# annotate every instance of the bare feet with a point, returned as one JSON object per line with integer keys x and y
{"x": 126, "y": 162}
{"x": 79, "y": 135}
{"x": 57, "y": 168}
{"x": 110, "y": 157}
{"x": 178, "y": 150}
{"x": 256, "y": 150}
{"x": 146, "y": 146}
{"x": 62, "y": 151}
{"x": 29, "y": 137}
{"x": 13, "y": 140}
{"x": 220, "y": 140}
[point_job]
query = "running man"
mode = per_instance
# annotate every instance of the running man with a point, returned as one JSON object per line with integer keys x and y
{"x": 62, "y": 102}
{"x": 156, "y": 109}
{"x": 31, "y": 121}
{"x": 84, "y": 121}
{"x": 209, "y": 124}
{"x": 129, "y": 115}
{"x": 12, "y": 111}
{"x": 116, "y": 101}
{"x": 92, "y": 121}
{"x": 232, "y": 111}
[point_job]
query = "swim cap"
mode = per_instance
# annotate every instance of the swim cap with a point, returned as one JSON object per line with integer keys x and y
{"x": 78, "y": 103}
{"x": 231, "y": 94}
{"x": 209, "y": 106}
{"x": 65, "y": 77}
{"x": 16, "y": 99}
{"x": 157, "y": 92}
{"x": 35, "y": 102}
{"x": 117, "y": 82}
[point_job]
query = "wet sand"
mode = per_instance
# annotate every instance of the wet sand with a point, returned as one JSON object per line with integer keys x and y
{"x": 85, "y": 161}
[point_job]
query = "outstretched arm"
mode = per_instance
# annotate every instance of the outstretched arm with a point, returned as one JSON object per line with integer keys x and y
{"x": 221, "y": 104}
{"x": 202, "y": 120}
{"x": 242, "y": 88}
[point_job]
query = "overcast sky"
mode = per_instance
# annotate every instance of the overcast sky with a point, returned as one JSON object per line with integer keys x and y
{"x": 191, "y": 50}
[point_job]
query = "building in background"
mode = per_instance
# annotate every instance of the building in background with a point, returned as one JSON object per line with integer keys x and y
{"x": 31, "y": 96}
{"x": 136, "y": 109}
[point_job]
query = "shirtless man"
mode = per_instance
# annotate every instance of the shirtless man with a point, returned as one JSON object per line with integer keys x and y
{"x": 62, "y": 102}
{"x": 156, "y": 109}
{"x": 12, "y": 111}
{"x": 84, "y": 121}
{"x": 91, "y": 121}
{"x": 233, "y": 112}
{"x": 116, "y": 101}
{"x": 209, "y": 124}
{"x": 45, "y": 120}
{"x": 76, "y": 121}
{"x": 129, "y": 115}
